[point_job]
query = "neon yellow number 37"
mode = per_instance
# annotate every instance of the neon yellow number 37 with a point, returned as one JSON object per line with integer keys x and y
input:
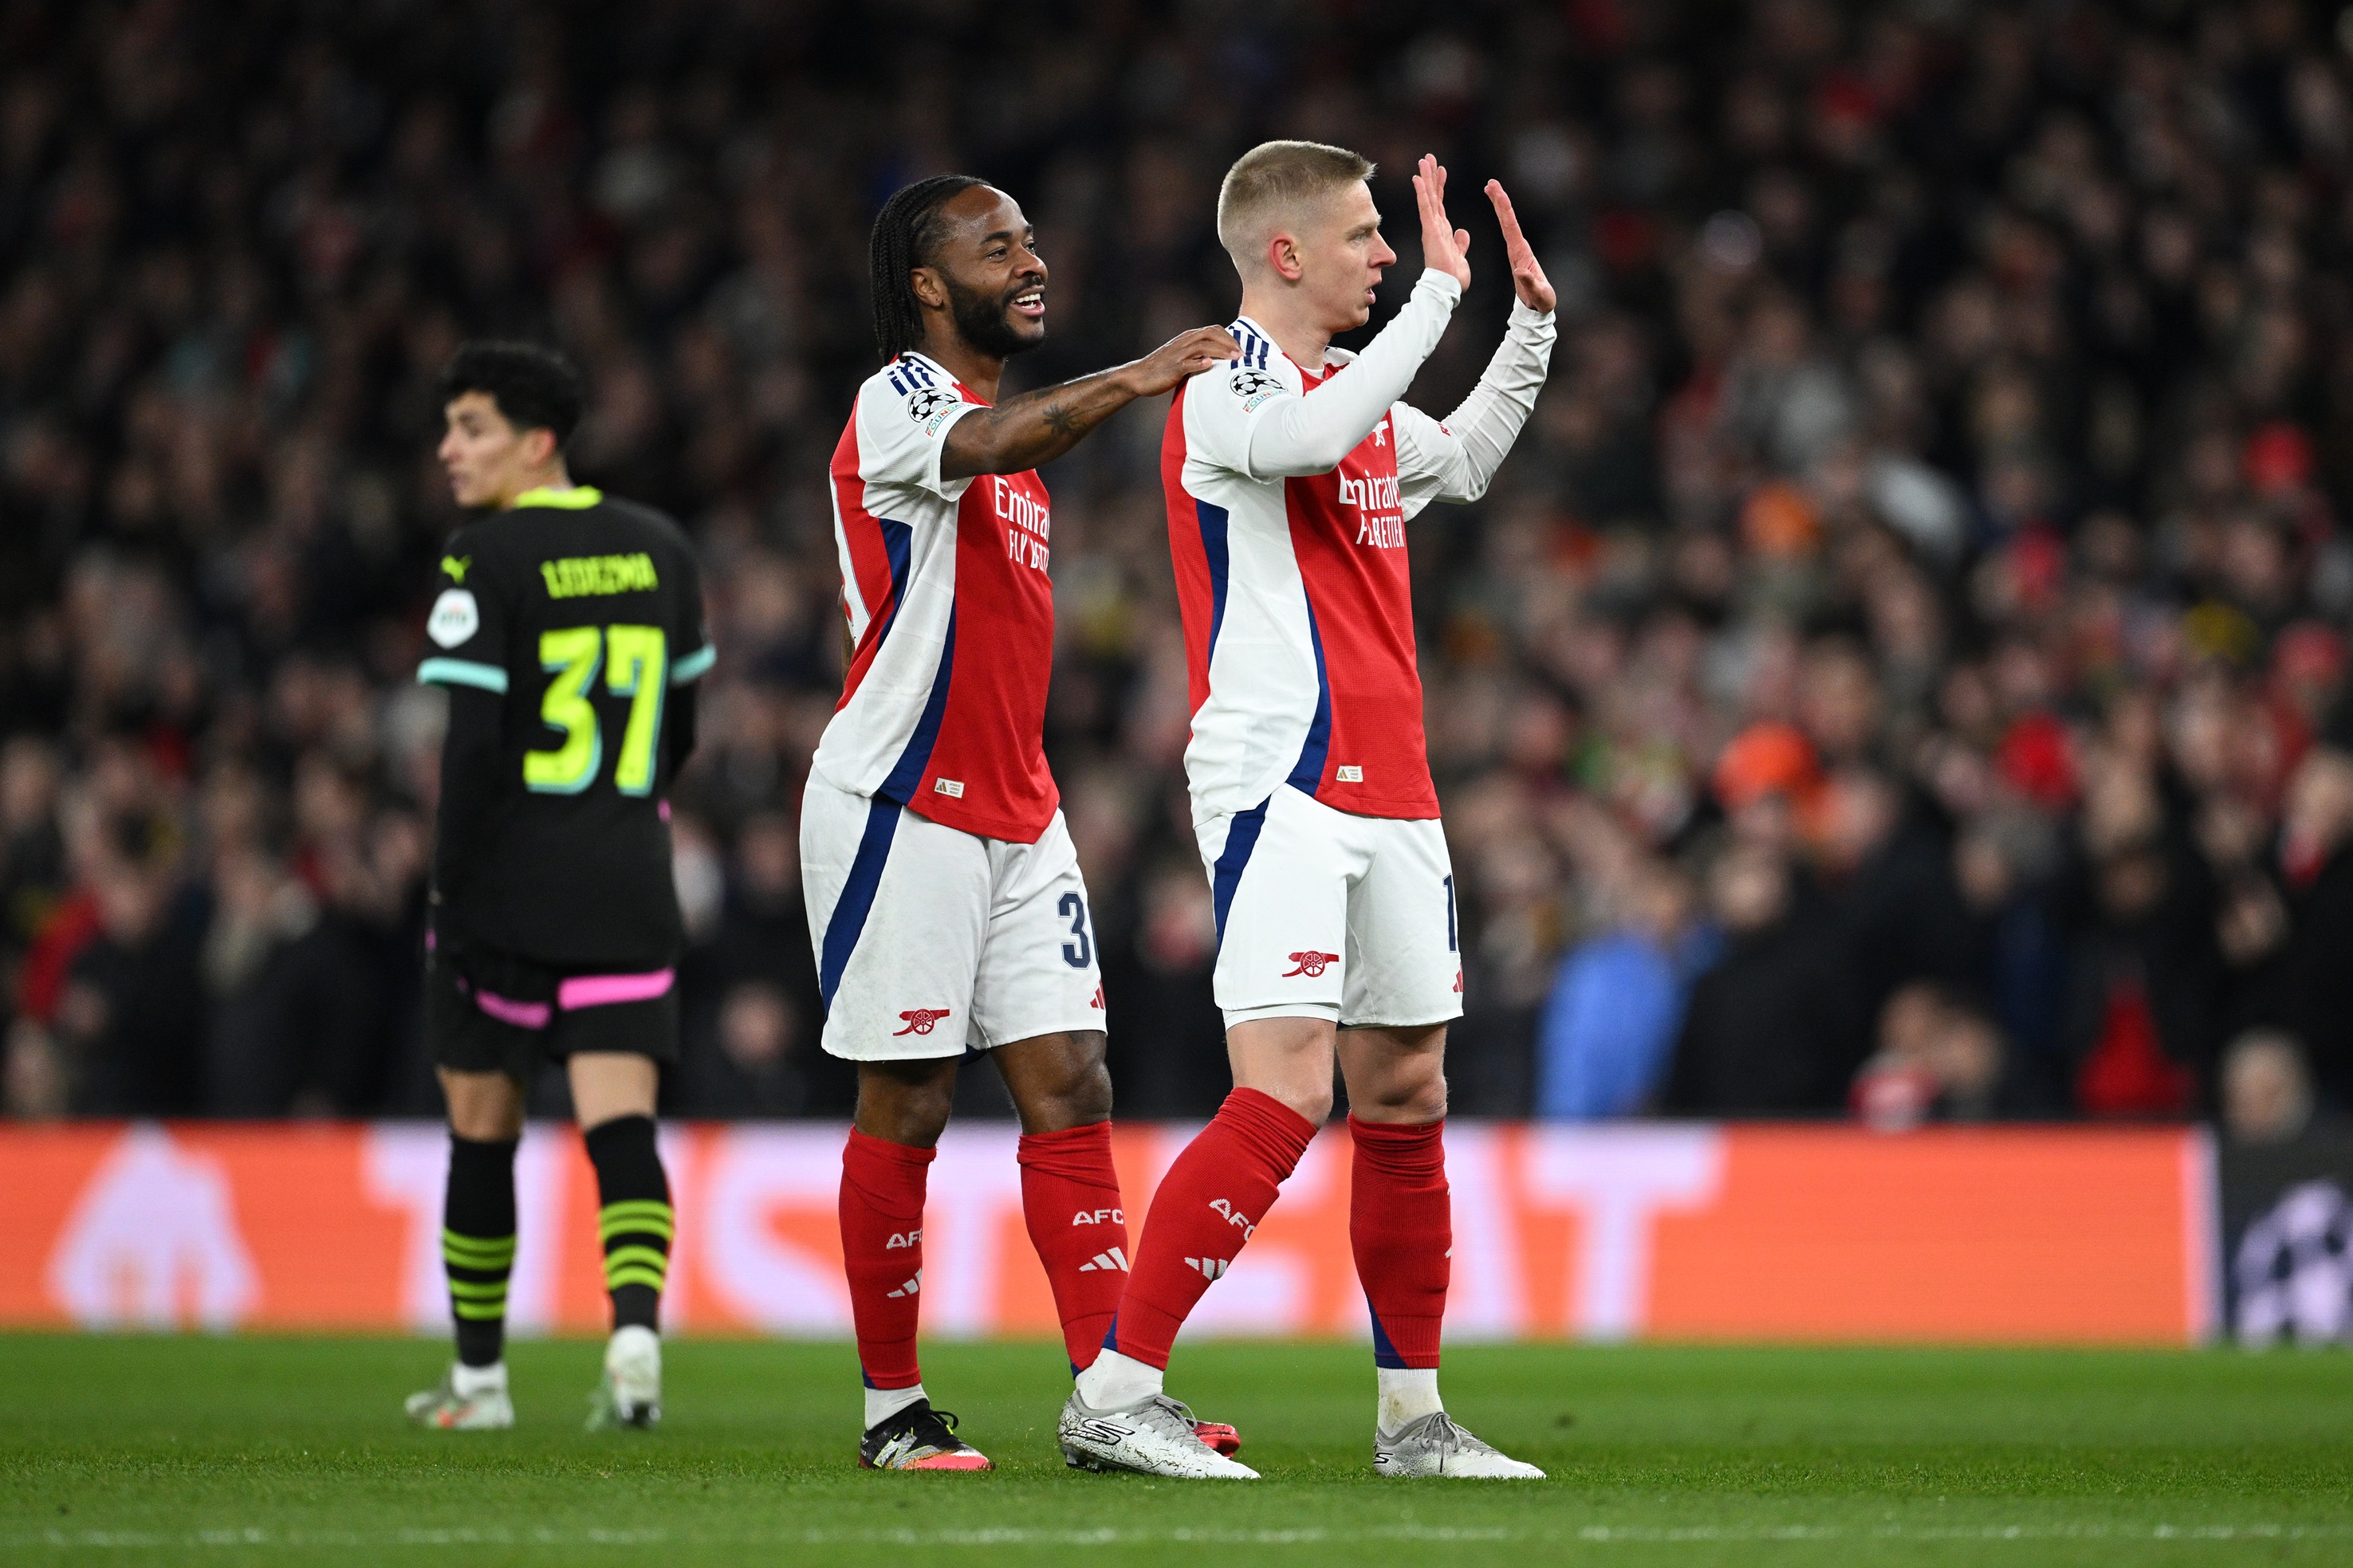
{"x": 637, "y": 665}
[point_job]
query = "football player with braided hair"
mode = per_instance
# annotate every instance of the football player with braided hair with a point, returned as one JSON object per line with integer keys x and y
{"x": 945, "y": 903}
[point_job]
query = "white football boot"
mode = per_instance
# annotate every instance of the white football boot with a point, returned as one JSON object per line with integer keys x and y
{"x": 630, "y": 1392}
{"x": 470, "y": 1399}
{"x": 1435, "y": 1445}
{"x": 1156, "y": 1436}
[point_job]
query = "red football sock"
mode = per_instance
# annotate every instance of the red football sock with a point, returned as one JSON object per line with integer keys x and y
{"x": 1208, "y": 1204}
{"x": 1401, "y": 1228}
{"x": 1069, "y": 1196}
{"x": 882, "y": 1252}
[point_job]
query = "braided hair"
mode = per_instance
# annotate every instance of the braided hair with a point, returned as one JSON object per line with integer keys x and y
{"x": 905, "y": 232}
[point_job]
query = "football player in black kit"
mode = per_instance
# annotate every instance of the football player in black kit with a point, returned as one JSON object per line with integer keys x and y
{"x": 568, "y": 634}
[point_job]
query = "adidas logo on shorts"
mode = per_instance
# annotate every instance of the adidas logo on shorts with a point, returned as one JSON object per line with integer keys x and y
{"x": 1109, "y": 1261}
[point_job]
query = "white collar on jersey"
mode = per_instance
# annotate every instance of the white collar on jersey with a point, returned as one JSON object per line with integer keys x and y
{"x": 1259, "y": 350}
{"x": 932, "y": 364}
{"x": 947, "y": 377}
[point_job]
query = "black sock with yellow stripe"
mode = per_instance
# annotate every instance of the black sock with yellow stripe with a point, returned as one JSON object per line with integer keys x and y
{"x": 635, "y": 1221}
{"x": 477, "y": 1243}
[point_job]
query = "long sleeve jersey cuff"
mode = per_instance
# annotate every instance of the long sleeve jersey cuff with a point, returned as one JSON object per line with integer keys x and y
{"x": 1309, "y": 435}
{"x": 1488, "y": 421}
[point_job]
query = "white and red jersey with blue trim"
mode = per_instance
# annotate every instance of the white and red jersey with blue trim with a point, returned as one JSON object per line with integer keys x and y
{"x": 1297, "y": 601}
{"x": 950, "y": 615}
{"x": 1288, "y": 493}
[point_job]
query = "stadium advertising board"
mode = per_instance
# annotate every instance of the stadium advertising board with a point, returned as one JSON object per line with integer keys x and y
{"x": 2288, "y": 1241}
{"x": 2028, "y": 1235}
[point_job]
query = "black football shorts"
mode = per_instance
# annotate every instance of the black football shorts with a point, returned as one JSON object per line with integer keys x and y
{"x": 491, "y": 1011}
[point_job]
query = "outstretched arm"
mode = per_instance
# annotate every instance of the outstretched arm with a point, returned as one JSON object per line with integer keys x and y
{"x": 1309, "y": 435}
{"x": 1457, "y": 459}
{"x": 1040, "y": 427}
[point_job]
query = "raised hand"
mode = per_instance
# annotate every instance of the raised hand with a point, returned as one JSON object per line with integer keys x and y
{"x": 1443, "y": 246}
{"x": 1040, "y": 427}
{"x": 1185, "y": 354}
{"x": 1527, "y": 273}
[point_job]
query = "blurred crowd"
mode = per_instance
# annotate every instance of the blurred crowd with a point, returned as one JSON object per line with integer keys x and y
{"x": 1896, "y": 677}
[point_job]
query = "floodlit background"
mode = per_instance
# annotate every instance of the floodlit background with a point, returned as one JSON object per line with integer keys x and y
{"x": 1890, "y": 680}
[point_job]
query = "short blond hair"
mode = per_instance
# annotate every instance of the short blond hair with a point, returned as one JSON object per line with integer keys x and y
{"x": 1273, "y": 179}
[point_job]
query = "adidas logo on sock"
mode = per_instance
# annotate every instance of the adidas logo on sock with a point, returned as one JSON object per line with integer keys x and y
{"x": 1113, "y": 1259}
{"x": 911, "y": 1288}
{"x": 1210, "y": 1268}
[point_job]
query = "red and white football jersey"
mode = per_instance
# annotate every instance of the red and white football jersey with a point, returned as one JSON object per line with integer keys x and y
{"x": 951, "y": 614}
{"x": 1297, "y": 602}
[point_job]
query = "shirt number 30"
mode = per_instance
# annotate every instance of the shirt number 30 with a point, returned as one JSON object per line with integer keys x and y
{"x": 635, "y": 661}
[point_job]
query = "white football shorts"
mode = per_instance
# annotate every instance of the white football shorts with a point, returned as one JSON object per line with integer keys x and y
{"x": 1325, "y": 914}
{"x": 930, "y": 940}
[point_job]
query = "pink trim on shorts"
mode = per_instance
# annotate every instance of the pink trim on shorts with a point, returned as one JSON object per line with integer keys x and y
{"x": 605, "y": 990}
{"x": 506, "y": 1010}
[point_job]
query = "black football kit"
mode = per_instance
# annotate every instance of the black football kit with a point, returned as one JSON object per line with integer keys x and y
{"x": 569, "y": 635}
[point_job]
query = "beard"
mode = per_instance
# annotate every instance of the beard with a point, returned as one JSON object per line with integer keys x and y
{"x": 981, "y": 320}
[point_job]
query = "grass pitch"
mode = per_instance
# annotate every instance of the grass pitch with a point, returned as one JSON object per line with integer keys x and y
{"x": 285, "y": 1451}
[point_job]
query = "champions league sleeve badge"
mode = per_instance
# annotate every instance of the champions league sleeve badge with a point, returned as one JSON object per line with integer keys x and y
{"x": 1254, "y": 387}
{"x": 927, "y": 405}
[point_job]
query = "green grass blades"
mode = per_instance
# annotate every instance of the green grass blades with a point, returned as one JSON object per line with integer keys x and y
{"x": 287, "y": 1451}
